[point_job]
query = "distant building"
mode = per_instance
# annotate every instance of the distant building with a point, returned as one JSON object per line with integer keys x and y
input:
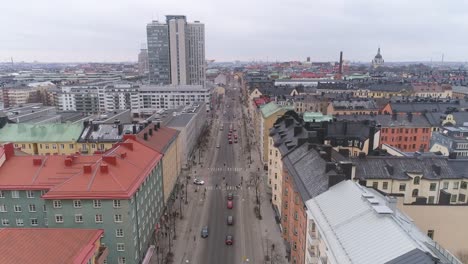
{"x": 143, "y": 67}
{"x": 451, "y": 142}
{"x": 176, "y": 51}
{"x": 378, "y": 60}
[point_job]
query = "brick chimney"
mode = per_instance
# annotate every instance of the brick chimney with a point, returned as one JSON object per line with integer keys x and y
{"x": 9, "y": 150}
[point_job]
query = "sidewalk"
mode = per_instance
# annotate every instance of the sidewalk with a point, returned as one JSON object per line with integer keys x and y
{"x": 270, "y": 231}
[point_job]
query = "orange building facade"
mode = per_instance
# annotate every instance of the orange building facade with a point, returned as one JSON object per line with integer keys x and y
{"x": 407, "y": 136}
{"x": 293, "y": 220}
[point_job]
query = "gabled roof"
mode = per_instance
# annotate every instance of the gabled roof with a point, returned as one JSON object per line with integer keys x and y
{"x": 372, "y": 167}
{"x": 48, "y": 245}
{"x": 356, "y": 231}
{"x": 116, "y": 174}
{"x": 307, "y": 170}
{"x": 41, "y": 133}
{"x": 161, "y": 139}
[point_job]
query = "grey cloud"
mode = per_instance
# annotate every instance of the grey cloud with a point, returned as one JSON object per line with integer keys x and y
{"x": 105, "y": 30}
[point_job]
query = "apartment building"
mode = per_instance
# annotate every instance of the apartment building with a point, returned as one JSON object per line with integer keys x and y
{"x": 432, "y": 90}
{"x": 350, "y": 223}
{"x": 451, "y": 142}
{"x": 356, "y": 107}
{"x": 45, "y": 139}
{"x": 166, "y": 141}
{"x": 119, "y": 192}
{"x": 418, "y": 179}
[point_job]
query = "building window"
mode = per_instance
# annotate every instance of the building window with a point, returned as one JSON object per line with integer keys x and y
{"x": 44, "y": 208}
{"x": 57, "y": 204}
{"x": 116, "y": 203}
{"x": 58, "y": 218}
{"x": 453, "y": 198}
{"x": 19, "y": 222}
{"x": 97, "y": 203}
{"x": 5, "y": 222}
{"x": 275, "y": 187}
{"x": 3, "y": 208}
{"x": 295, "y": 245}
{"x": 430, "y": 233}
{"x": 276, "y": 175}
{"x": 77, "y": 203}
{"x": 445, "y": 186}
{"x": 416, "y": 180}
{"x": 431, "y": 200}
{"x": 30, "y": 194}
{"x": 17, "y": 208}
{"x": 415, "y": 193}
{"x": 32, "y": 208}
{"x": 402, "y": 187}
{"x": 385, "y": 185}
{"x": 433, "y": 186}
{"x": 78, "y": 218}
{"x": 120, "y": 247}
{"x": 98, "y": 218}
{"x": 461, "y": 198}
{"x": 122, "y": 260}
{"x": 34, "y": 221}
{"x": 2, "y": 194}
{"x": 15, "y": 194}
{"x": 375, "y": 185}
{"x": 118, "y": 218}
{"x": 119, "y": 232}
{"x": 455, "y": 185}
{"x": 463, "y": 186}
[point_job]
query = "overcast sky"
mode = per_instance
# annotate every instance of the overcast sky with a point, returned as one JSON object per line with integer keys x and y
{"x": 113, "y": 30}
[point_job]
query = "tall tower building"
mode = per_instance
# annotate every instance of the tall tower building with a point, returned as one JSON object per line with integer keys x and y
{"x": 143, "y": 62}
{"x": 176, "y": 51}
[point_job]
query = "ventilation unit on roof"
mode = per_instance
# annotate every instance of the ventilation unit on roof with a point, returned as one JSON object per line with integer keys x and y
{"x": 367, "y": 195}
{"x": 373, "y": 201}
{"x": 382, "y": 209}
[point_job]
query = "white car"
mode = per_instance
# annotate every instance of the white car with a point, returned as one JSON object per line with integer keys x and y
{"x": 217, "y": 146}
{"x": 198, "y": 182}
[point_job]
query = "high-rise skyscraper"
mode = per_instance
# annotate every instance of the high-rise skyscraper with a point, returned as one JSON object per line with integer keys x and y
{"x": 176, "y": 51}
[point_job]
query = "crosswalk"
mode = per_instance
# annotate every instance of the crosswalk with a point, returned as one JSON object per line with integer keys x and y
{"x": 227, "y": 169}
{"x": 225, "y": 188}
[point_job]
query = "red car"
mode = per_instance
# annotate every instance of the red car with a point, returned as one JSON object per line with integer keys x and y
{"x": 229, "y": 240}
{"x": 230, "y": 204}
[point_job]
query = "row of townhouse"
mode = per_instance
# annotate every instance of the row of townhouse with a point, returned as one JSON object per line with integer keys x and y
{"x": 120, "y": 192}
{"x": 302, "y": 168}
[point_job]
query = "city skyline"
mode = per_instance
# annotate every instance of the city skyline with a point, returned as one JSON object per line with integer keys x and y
{"x": 416, "y": 31}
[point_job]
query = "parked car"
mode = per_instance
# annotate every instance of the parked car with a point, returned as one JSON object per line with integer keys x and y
{"x": 229, "y": 240}
{"x": 230, "y": 141}
{"x": 230, "y": 196}
{"x": 230, "y": 204}
{"x": 235, "y": 140}
{"x": 230, "y": 220}
{"x": 235, "y": 136}
{"x": 198, "y": 182}
{"x": 217, "y": 146}
{"x": 204, "y": 232}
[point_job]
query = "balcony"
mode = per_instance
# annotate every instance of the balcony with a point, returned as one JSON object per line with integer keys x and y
{"x": 102, "y": 255}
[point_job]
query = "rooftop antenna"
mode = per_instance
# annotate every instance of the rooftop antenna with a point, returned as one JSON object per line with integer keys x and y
{"x": 442, "y": 58}
{"x": 12, "y": 64}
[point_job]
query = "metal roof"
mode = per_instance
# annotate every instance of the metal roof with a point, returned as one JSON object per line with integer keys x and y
{"x": 355, "y": 232}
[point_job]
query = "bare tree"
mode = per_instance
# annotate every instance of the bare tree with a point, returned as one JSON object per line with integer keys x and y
{"x": 256, "y": 180}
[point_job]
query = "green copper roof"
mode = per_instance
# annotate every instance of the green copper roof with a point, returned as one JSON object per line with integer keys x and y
{"x": 317, "y": 116}
{"x": 269, "y": 109}
{"x": 40, "y": 133}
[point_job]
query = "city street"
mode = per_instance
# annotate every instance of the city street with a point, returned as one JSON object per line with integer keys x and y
{"x": 226, "y": 170}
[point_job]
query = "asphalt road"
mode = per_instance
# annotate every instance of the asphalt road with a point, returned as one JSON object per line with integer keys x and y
{"x": 220, "y": 182}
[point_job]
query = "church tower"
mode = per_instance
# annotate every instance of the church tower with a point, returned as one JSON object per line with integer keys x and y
{"x": 378, "y": 60}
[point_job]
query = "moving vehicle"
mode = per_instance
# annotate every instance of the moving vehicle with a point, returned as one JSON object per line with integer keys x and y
{"x": 230, "y": 204}
{"x": 198, "y": 182}
{"x": 204, "y": 232}
{"x": 235, "y": 140}
{"x": 230, "y": 141}
{"x": 230, "y": 196}
{"x": 217, "y": 146}
{"x": 230, "y": 220}
{"x": 235, "y": 136}
{"x": 229, "y": 240}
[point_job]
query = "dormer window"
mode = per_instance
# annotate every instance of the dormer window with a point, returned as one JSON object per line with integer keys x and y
{"x": 416, "y": 180}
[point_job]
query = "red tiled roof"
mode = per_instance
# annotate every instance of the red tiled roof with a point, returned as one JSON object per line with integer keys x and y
{"x": 47, "y": 245}
{"x": 115, "y": 174}
{"x": 160, "y": 140}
